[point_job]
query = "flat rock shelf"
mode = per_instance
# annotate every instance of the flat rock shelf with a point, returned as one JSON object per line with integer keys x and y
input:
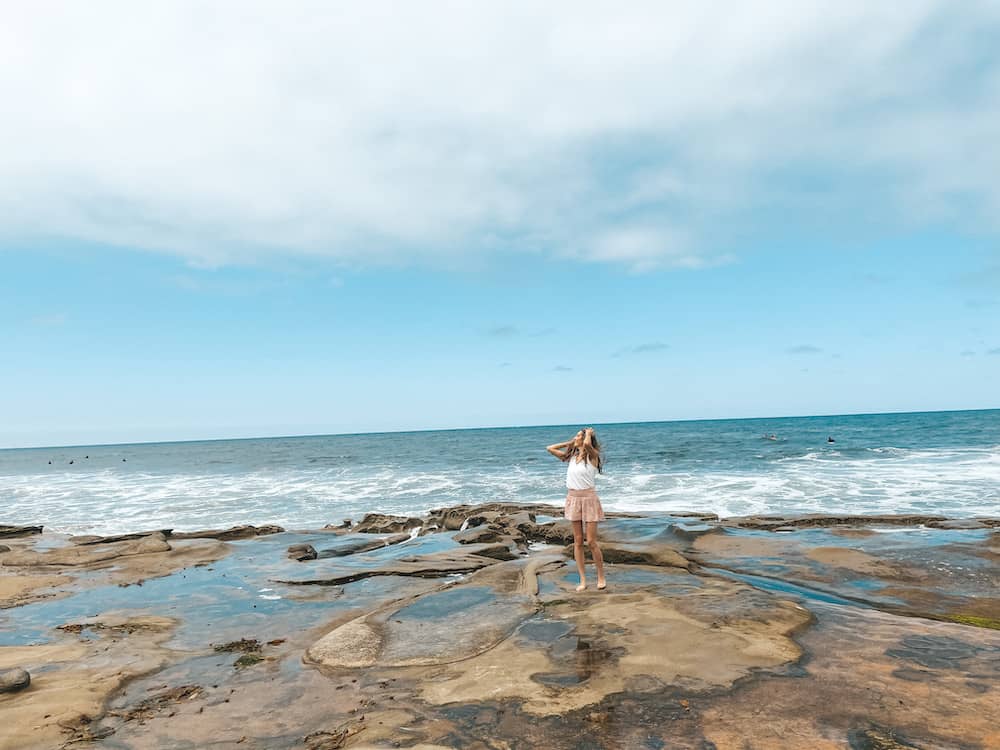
{"x": 463, "y": 629}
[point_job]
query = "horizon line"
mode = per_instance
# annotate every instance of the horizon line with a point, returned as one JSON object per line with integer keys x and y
{"x": 494, "y": 427}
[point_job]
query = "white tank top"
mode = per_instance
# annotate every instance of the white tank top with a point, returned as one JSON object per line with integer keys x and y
{"x": 580, "y": 475}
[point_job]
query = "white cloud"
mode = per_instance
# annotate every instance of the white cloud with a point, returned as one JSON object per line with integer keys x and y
{"x": 645, "y": 135}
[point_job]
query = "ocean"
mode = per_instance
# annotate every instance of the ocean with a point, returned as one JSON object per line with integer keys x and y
{"x": 939, "y": 462}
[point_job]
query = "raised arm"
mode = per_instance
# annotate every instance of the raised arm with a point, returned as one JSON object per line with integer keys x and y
{"x": 561, "y": 450}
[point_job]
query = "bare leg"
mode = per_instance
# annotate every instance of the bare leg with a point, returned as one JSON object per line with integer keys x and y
{"x": 578, "y": 553}
{"x": 595, "y": 552}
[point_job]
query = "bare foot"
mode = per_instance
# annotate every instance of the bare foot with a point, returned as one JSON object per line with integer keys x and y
{"x": 582, "y": 586}
{"x": 602, "y": 584}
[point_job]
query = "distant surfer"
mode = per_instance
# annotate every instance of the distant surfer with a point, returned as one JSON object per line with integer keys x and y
{"x": 583, "y": 456}
{"x": 830, "y": 440}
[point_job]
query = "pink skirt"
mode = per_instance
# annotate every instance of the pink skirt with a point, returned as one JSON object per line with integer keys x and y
{"x": 583, "y": 505}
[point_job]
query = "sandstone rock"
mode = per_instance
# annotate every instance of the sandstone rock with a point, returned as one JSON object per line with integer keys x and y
{"x": 12, "y": 531}
{"x": 88, "y": 539}
{"x": 13, "y": 680}
{"x": 960, "y": 524}
{"x": 302, "y": 552}
{"x": 452, "y": 519}
{"x": 498, "y": 551}
{"x": 4, "y": 548}
{"x": 479, "y": 534}
{"x": 817, "y": 520}
{"x": 556, "y": 532}
{"x": 236, "y": 532}
{"x": 643, "y": 554}
{"x": 435, "y": 565}
{"x": 87, "y": 555}
{"x": 380, "y": 523}
{"x": 362, "y": 545}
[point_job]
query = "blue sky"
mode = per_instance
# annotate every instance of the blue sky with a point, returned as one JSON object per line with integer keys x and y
{"x": 478, "y": 217}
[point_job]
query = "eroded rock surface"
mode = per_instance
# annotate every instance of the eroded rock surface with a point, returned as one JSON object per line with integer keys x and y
{"x": 7, "y": 532}
{"x": 464, "y": 629}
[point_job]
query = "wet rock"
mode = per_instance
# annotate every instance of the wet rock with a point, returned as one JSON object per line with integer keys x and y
{"x": 149, "y": 707}
{"x": 689, "y": 532}
{"x": 225, "y": 535}
{"x": 243, "y": 645}
{"x": 522, "y": 521}
{"x": 250, "y": 650}
{"x": 434, "y": 565}
{"x": 556, "y": 532}
{"x": 452, "y": 519}
{"x": 479, "y": 535}
{"x": 13, "y": 531}
{"x": 380, "y": 523}
{"x": 88, "y": 554}
{"x": 643, "y": 554}
{"x": 345, "y": 524}
{"x": 13, "y": 680}
{"x": 850, "y": 533}
{"x": 486, "y": 517}
{"x": 117, "y": 627}
{"x": 248, "y": 660}
{"x": 91, "y": 539}
{"x": 499, "y": 551}
{"x": 438, "y": 627}
{"x": 859, "y": 562}
{"x": 944, "y": 652}
{"x": 960, "y": 524}
{"x": 302, "y": 552}
{"x": 772, "y": 523}
{"x": 362, "y": 545}
{"x": 332, "y": 739}
{"x": 877, "y": 739}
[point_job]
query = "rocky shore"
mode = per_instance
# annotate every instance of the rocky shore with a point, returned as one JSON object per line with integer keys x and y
{"x": 462, "y": 629}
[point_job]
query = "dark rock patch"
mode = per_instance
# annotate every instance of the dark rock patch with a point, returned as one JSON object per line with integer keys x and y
{"x": 225, "y": 535}
{"x": 362, "y": 545}
{"x": 243, "y": 645}
{"x": 877, "y": 738}
{"x": 14, "y": 680}
{"x": 300, "y": 552}
{"x": 87, "y": 540}
{"x": 773, "y": 523}
{"x": 155, "y": 704}
{"x": 7, "y": 532}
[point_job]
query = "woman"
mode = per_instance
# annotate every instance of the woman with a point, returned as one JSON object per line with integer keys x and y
{"x": 583, "y": 454}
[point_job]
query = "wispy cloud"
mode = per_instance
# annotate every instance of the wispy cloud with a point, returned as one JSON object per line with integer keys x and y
{"x": 562, "y": 368}
{"x": 804, "y": 349}
{"x": 967, "y": 353}
{"x": 647, "y": 348}
{"x": 513, "y": 127}
{"x": 502, "y": 332}
{"x": 994, "y": 351}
